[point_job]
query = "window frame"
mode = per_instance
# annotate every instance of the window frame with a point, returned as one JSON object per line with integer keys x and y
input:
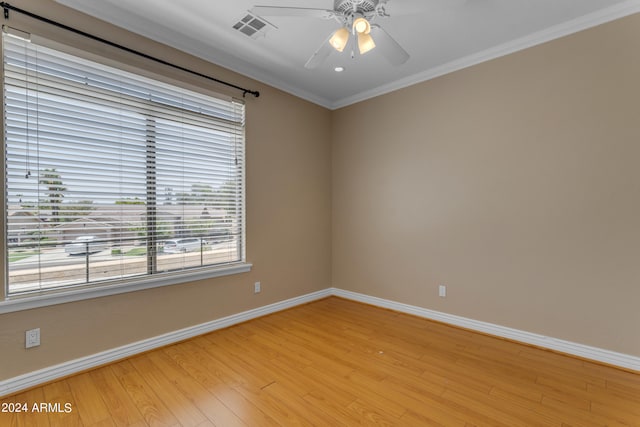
{"x": 63, "y": 294}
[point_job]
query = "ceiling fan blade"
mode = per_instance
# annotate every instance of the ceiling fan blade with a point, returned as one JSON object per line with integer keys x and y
{"x": 292, "y": 11}
{"x": 389, "y": 48}
{"x": 320, "y": 55}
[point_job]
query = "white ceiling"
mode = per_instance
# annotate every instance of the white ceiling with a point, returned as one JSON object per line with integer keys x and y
{"x": 440, "y": 35}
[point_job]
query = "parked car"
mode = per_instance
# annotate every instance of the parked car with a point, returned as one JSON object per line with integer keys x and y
{"x": 85, "y": 244}
{"x": 175, "y": 246}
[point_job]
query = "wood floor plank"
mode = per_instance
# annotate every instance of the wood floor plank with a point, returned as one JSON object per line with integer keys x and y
{"x": 86, "y": 394}
{"x": 371, "y": 415}
{"x": 315, "y": 415}
{"x": 574, "y": 416}
{"x": 34, "y": 416}
{"x": 336, "y": 409}
{"x": 338, "y": 361}
{"x": 281, "y": 411}
{"x": 234, "y": 359}
{"x": 335, "y": 362}
{"x": 9, "y": 415}
{"x": 552, "y": 365}
{"x": 248, "y": 411}
{"x": 154, "y": 411}
{"x": 430, "y": 418}
{"x": 59, "y": 392}
{"x": 180, "y": 406}
{"x": 199, "y": 365}
{"x": 532, "y": 407}
{"x": 219, "y": 379}
{"x": 208, "y": 403}
{"x": 318, "y": 387}
{"x": 413, "y": 398}
{"x": 122, "y": 408}
{"x": 478, "y": 409}
{"x": 625, "y": 389}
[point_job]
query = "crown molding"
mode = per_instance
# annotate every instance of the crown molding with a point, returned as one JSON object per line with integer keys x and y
{"x": 582, "y": 23}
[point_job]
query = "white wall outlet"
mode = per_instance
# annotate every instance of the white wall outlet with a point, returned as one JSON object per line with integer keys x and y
{"x": 442, "y": 291}
{"x": 257, "y": 287}
{"x": 32, "y": 338}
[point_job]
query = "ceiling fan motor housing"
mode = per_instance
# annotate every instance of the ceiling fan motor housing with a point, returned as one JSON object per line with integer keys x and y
{"x": 349, "y": 6}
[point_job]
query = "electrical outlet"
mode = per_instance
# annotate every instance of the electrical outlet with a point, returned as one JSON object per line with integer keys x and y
{"x": 32, "y": 338}
{"x": 257, "y": 287}
{"x": 442, "y": 291}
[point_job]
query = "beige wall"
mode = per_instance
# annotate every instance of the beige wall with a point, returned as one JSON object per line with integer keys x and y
{"x": 288, "y": 221}
{"x": 515, "y": 182}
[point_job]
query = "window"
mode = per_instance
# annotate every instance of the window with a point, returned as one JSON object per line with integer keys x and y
{"x": 112, "y": 177}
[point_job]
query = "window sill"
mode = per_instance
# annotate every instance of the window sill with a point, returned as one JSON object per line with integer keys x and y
{"x": 26, "y": 302}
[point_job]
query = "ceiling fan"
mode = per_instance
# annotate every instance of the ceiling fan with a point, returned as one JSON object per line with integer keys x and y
{"x": 356, "y": 18}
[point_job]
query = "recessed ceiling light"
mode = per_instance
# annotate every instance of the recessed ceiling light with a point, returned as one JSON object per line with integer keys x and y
{"x": 338, "y": 69}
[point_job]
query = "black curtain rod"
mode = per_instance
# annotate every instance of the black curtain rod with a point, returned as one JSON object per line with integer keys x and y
{"x": 7, "y": 7}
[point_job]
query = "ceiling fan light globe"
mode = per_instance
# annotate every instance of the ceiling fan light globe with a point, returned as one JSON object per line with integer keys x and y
{"x": 361, "y": 26}
{"x": 365, "y": 43}
{"x": 339, "y": 39}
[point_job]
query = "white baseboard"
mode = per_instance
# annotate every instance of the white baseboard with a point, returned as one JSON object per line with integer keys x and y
{"x": 51, "y": 373}
{"x": 584, "y": 351}
{"x": 41, "y": 376}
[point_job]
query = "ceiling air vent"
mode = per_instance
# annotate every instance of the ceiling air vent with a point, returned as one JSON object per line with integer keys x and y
{"x": 253, "y": 26}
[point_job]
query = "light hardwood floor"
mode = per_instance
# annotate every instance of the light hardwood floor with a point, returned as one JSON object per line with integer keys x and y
{"x": 340, "y": 363}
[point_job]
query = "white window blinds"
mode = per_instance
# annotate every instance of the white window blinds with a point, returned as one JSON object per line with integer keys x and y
{"x": 112, "y": 176}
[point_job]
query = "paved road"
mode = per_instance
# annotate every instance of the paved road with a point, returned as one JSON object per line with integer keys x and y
{"x": 56, "y": 257}
{"x": 55, "y": 267}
